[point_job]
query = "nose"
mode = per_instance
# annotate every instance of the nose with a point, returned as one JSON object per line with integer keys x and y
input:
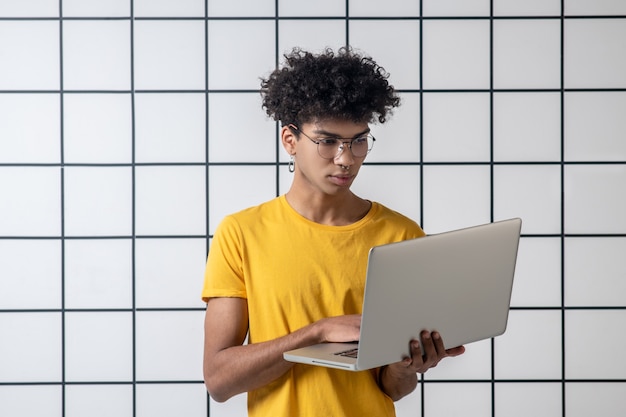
{"x": 344, "y": 154}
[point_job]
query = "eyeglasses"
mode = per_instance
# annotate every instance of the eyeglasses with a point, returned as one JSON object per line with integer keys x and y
{"x": 331, "y": 148}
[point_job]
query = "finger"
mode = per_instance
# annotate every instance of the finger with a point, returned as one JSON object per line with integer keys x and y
{"x": 418, "y": 357}
{"x": 456, "y": 351}
{"x": 429, "y": 351}
{"x": 439, "y": 347}
{"x": 416, "y": 353}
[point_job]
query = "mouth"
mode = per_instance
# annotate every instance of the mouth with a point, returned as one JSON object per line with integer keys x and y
{"x": 341, "y": 179}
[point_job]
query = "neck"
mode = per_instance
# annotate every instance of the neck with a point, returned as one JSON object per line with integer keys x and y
{"x": 332, "y": 210}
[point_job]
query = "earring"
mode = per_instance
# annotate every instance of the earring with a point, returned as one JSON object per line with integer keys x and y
{"x": 292, "y": 164}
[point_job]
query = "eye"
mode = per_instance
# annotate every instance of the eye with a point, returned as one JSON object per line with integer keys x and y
{"x": 327, "y": 142}
{"x": 360, "y": 141}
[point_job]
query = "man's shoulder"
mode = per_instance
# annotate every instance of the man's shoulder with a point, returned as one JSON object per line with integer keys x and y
{"x": 392, "y": 218}
{"x": 255, "y": 214}
{"x": 267, "y": 207}
{"x": 385, "y": 212}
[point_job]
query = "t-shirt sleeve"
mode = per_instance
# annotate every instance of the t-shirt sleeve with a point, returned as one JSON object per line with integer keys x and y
{"x": 406, "y": 227}
{"x": 224, "y": 273}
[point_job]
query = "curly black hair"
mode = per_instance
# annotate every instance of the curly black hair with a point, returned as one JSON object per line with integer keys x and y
{"x": 345, "y": 85}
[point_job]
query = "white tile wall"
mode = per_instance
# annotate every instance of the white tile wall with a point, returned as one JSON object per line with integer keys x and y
{"x": 455, "y": 54}
{"x": 34, "y": 54}
{"x": 524, "y": 127}
{"x": 113, "y": 400}
{"x": 511, "y": 399}
{"x": 456, "y": 127}
{"x": 97, "y": 128}
{"x": 129, "y": 128}
{"x": 96, "y": 55}
{"x": 526, "y": 54}
{"x": 98, "y": 274}
{"x": 35, "y": 200}
{"x": 30, "y": 285}
{"x": 32, "y": 142}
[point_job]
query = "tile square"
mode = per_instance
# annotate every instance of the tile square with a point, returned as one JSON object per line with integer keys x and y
{"x": 230, "y": 69}
{"x": 456, "y": 127}
{"x": 527, "y": 127}
{"x": 174, "y": 340}
{"x": 247, "y": 186}
{"x": 511, "y": 399}
{"x": 595, "y": 199}
{"x": 527, "y": 8}
{"x": 247, "y": 8}
{"x": 235, "y": 406}
{"x": 111, "y": 400}
{"x": 512, "y": 360}
{"x": 34, "y": 352}
{"x": 596, "y": 7}
{"x": 595, "y": 53}
{"x": 595, "y": 270}
{"x": 285, "y": 179}
{"x": 107, "y": 336}
{"x": 530, "y": 192}
{"x": 17, "y": 401}
{"x": 595, "y": 126}
{"x": 472, "y": 399}
{"x": 369, "y": 185}
{"x": 98, "y": 201}
{"x": 171, "y": 399}
{"x": 537, "y": 280}
{"x": 96, "y": 8}
{"x": 373, "y": 37}
{"x": 456, "y": 197}
{"x": 97, "y": 128}
{"x": 605, "y": 399}
{"x": 32, "y": 204}
{"x": 170, "y": 55}
{"x": 98, "y": 273}
{"x": 407, "y": 406}
{"x": 170, "y": 127}
{"x": 31, "y": 274}
{"x": 455, "y": 54}
{"x": 23, "y": 139}
{"x": 527, "y": 54}
{"x": 455, "y": 8}
{"x": 310, "y": 35}
{"x": 30, "y": 8}
{"x": 474, "y": 364}
{"x": 30, "y": 52}
{"x": 398, "y": 140}
{"x": 230, "y": 140}
{"x": 380, "y": 9}
{"x": 579, "y": 346}
{"x": 171, "y": 200}
{"x": 167, "y": 272}
{"x": 164, "y": 8}
{"x": 96, "y": 55}
{"x": 308, "y": 8}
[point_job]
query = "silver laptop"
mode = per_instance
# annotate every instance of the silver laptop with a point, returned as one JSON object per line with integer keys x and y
{"x": 458, "y": 283}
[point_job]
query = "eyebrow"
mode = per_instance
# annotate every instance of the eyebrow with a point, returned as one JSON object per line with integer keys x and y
{"x": 325, "y": 133}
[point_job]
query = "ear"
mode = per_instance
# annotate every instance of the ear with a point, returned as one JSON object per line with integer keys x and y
{"x": 288, "y": 139}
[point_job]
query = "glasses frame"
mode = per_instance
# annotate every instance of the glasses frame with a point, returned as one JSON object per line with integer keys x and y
{"x": 340, "y": 146}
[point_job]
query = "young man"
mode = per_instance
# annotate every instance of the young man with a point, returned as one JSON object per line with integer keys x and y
{"x": 291, "y": 272}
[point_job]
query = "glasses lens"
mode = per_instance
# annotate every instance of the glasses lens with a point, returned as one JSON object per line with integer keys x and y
{"x": 361, "y": 146}
{"x": 330, "y": 148}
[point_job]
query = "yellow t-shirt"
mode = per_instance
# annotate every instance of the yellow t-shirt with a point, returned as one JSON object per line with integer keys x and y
{"x": 293, "y": 272}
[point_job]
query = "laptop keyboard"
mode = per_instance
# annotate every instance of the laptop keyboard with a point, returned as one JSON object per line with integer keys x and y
{"x": 350, "y": 353}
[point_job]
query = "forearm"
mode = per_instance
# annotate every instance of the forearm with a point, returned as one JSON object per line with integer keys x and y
{"x": 394, "y": 385}
{"x": 239, "y": 369}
